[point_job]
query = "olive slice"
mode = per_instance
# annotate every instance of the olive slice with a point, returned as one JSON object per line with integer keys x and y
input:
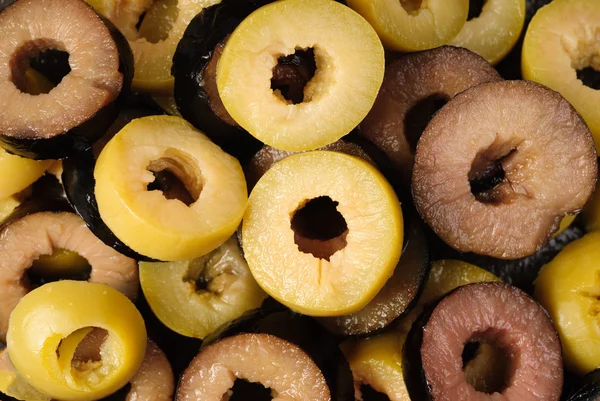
{"x": 400, "y": 292}
{"x": 492, "y": 313}
{"x": 302, "y": 331}
{"x": 85, "y": 102}
{"x": 40, "y": 228}
{"x": 78, "y": 180}
{"x": 195, "y": 71}
{"x": 195, "y": 297}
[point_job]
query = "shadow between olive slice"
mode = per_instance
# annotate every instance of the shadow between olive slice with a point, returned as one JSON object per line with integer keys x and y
{"x": 302, "y": 331}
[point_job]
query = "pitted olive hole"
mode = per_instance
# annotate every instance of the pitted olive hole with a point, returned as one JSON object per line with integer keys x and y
{"x": 60, "y": 265}
{"x": 475, "y": 8}
{"x": 412, "y": 6}
{"x": 368, "y": 393}
{"x": 243, "y": 390}
{"x": 86, "y": 362}
{"x": 487, "y": 173}
{"x": 292, "y": 73}
{"x": 177, "y": 177}
{"x": 420, "y": 115}
{"x": 210, "y": 274}
{"x": 486, "y": 365}
{"x": 88, "y": 349}
{"x": 38, "y": 66}
{"x": 155, "y": 24}
{"x": 590, "y": 77}
{"x": 319, "y": 228}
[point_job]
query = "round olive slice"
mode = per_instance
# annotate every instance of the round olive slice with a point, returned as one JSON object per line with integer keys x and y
{"x": 179, "y": 228}
{"x": 18, "y": 173}
{"x": 536, "y": 176}
{"x": 322, "y": 232}
{"x": 49, "y": 323}
{"x": 195, "y": 297}
{"x": 344, "y": 45}
{"x": 85, "y": 102}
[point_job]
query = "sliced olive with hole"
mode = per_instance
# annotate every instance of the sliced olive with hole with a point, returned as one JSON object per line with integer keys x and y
{"x": 492, "y": 313}
{"x": 195, "y": 297}
{"x": 414, "y": 88}
{"x": 163, "y": 23}
{"x": 322, "y": 232}
{"x": 569, "y": 288}
{"x": 84, "y": 102}
{"x": 329, "y": 375}
{"x": 32, "y": 232}
{"x": 400, "y": 292}
{"x": 494, "y": 31}
{"x": 561, "y": 51}
{"x": 59, "y": 316}
{"x": 333, "y": 101}
{"x": 521, "y": 181}
{"x": 412, "y": 25}
{"x": 165, "y": 225}
{"x": 78, "y": 181}
{"x": 195, "y": 71}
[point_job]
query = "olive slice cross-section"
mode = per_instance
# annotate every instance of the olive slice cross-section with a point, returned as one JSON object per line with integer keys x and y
{"x": 280, "y": 365}
{"x": 322, "y": 232}
{"x": 82, "y": 106}
{"x": 146, "y": 220}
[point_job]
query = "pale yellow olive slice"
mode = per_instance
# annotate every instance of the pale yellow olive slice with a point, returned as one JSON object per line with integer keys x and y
{"x": 18, "y": 172}
{"x": 195, "y": 297}
{"x": 561, "y": 39}
{"x": 14, "y": 385}
{"x": 349, "y": 71}
{"x": 569, "y": 288}
{"x": 322, "y": 233}
{"x": 148, "y": 222}
{"x": 49, "y": 323}
{"x": 495, "y": 31}
{"x": 154, "y": 44}
{"x": 412, "y": 25}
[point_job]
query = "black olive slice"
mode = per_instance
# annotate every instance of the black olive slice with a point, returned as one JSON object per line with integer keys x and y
{"x": 195, "y": 69}
{"x": 85, "y": 102}
{"x": 400, "y": 292}
{"x": 41, "y": 227}
{"x": 305, "y": 333}
{"x": 590, "y": 388}
{"x": 491, "y": 313}
{"x": 78, "y": 180}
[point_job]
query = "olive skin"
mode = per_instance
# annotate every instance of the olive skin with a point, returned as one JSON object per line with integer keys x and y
{"x": 307, "y": 334}
{"x": 82, "y": 137}
{"x": 590, "y": 388}
{"x": 203, "y": 34}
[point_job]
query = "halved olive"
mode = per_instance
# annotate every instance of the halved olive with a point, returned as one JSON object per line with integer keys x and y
{"x": 85, "y": 102}
{"x": 154, "y": 44}
{"x": 49, "y": 323}
{"x": 195, "y": 297}
{"x": 179, "y": 228}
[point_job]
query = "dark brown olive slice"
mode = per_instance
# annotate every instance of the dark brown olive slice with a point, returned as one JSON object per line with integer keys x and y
{"x": 31, "y": 232}
{"x": 414, "y": 88}
{"x": 400, "y": 291}
{"x": 491, "y": 313}
{"x": 85, "y": 102}
{"x": 544, "y": 152}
